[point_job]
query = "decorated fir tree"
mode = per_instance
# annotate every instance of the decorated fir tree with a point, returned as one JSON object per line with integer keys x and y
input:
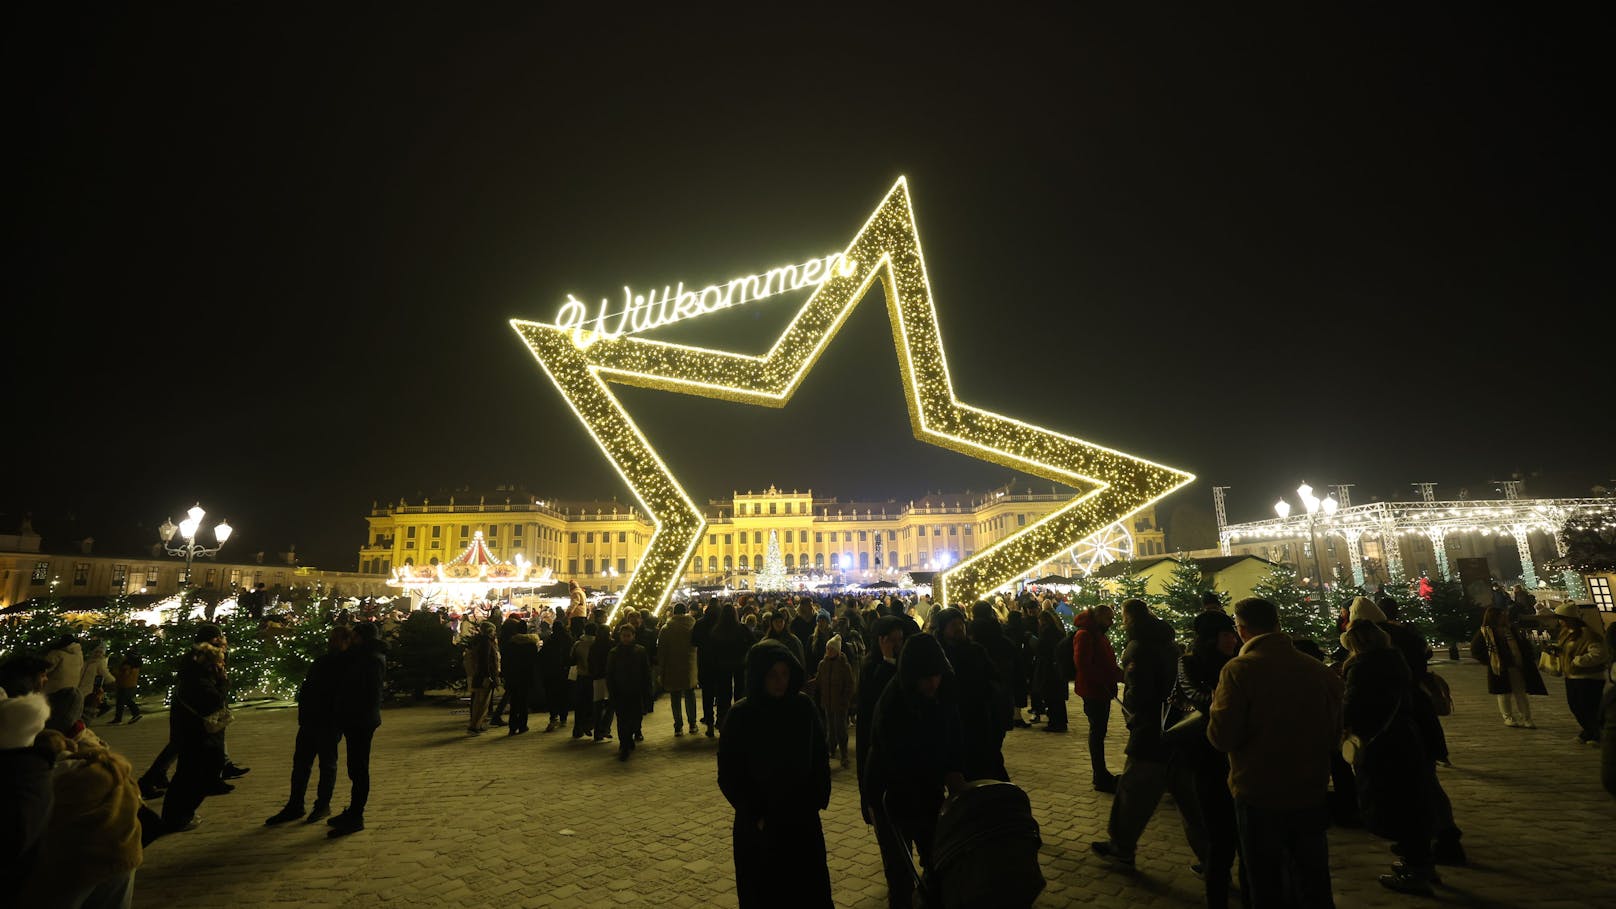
{"x": 1180, "y": 601}
{"x": 1299, "y": 615}
{"x": 773, "y": 575}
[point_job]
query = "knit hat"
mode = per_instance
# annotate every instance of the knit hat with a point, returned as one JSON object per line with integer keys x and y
{"x": 834, "y": 645}
{"x": 21, "y": 719}
{"x": 1209, "y": 625}
{"x": 206, "y": 632}
{"x": 1364, "y": 609}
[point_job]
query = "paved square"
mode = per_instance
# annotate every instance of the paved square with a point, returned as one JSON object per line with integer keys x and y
{"x": 543, "y": 820}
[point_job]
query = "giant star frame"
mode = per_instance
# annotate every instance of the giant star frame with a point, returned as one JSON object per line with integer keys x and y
{"x": 1112, "y": 485}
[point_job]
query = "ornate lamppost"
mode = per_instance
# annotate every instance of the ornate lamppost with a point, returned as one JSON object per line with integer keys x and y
{"x": 180, "y": 541}
{"x": 1313, "y": 506}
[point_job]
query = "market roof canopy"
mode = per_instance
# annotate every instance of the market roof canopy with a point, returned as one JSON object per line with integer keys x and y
{"x": 1053, "y": 579}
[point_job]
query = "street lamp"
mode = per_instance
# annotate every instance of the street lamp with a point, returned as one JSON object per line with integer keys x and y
{"x": 608, "y": 572}
{"x": 187, "y": 546}
{"x": 1313, "y": 505}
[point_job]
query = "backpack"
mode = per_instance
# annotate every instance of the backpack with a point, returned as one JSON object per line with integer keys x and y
{"x": 1066, "y": 658}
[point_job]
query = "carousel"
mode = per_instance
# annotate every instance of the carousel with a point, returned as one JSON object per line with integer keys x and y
{"x": 475, "y": 576}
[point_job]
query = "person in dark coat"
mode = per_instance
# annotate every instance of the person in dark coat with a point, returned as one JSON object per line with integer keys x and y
{"x": 705, "y": 676}
{"x": 317, "y": 732}
{"x": 200, "y": 690}
{"x": 510, "y": 628}
{"x": 775, "y": 629}
{"x": 1149, "y": 670}
{"x": 1512, "y": 673}
{"x": 1049, "y": 683}
{"x": 774, "y": 770}
{"x": 1394, "y": 795}
{"x": 555, "y": 658}
{"x": 628, "y": 685}
{"x": 982, "y": 692}
{"x": 1216, "y": 642}
{"x": 27, "y": 796}
{"x": 522, "y": 678}
{"x": 880, "y": 668}
{"x": 917, "y": 751}
{"x": 721, "y": 657}
{"x": 599, "y": 652}
{"x": 1015, "y": 631}
{"x": 359, "y": 714}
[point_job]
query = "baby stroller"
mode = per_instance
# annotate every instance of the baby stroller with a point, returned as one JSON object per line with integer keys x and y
{"x": 985, "y": 852}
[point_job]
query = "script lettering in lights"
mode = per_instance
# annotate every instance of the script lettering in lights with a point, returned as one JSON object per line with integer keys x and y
{"x": 582, "y": 357}
{"x": 644, "y": 312}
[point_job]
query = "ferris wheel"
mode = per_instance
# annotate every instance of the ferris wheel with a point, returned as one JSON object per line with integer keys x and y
{"x": 1112, "y": 544}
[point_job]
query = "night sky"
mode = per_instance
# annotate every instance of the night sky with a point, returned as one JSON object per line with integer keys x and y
{"x": 267, "y": 260}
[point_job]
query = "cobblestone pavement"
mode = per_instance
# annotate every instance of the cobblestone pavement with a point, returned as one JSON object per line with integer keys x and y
{"x": 543, "y": 820}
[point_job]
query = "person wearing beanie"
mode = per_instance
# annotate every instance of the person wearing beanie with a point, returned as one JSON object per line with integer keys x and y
{"x": 26, "y": 794}
{"x": 1578, "y": 655}
{"x": 917, "y": 751}
{"x": 773, "y": 770}
{"x": 1215, "y": 644}
{"x": 834, "y": 687}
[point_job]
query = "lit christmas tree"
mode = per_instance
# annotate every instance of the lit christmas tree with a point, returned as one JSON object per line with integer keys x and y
{"x": 773, "y": 575}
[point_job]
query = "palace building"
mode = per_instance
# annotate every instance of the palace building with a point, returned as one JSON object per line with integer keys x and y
{"x": 599, "y": 544}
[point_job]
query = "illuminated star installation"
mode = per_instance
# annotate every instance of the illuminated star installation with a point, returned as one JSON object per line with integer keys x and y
{"x": 1111, "y": 485}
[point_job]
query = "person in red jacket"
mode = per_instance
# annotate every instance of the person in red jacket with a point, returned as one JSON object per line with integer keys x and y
{"x": 1095, "y": 678}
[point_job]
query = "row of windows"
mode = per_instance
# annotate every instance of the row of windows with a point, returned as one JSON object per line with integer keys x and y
{"x": 492, "y": 532}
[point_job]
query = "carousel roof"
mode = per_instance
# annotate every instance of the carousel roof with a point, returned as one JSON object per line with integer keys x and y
{"x": 476, "y": 554}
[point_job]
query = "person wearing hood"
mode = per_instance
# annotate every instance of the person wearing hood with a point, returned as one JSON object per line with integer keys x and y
{"x": 522, "y": 679}
{"x": 833, "y": 685}
{"x": 1049, "y": 682}
{"x": 886, "y": 636}
{"x": 1095, "y": 679}
{"x": 1004, "y": 655}
{"x": 677, "y": 667}
{"x": 1016, "y": 632}
{"x": 66, "y": 659}
{"x": 916, "y": 752}
{"x": 628, "y": 685}
{"x": 980, "y": 691}
{"x": 1394, "y": 794}
{"x": 317, "y": 732}
{"x": 555, "y": 658}
{"x": 26, "y": 794}
{"x": 775, "y": 629}
{"x": 200, "y": 691}
{"x": 1216, "y": 642}
{"x": 599, "y": 654}
{"x": 773, "y": 770}
{"x": 1150, "y": 669}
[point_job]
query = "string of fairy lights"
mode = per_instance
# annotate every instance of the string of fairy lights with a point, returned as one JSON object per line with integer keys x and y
{"x": 887, "y": 248}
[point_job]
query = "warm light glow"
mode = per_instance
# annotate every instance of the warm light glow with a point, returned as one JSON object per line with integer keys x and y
{"x": 196, "y": 514}
{"x": 1330, "y": 505}
{"x": 887, "y": 249}
{"x": 1304, "y": 492}
{"x": 223, "y": 531}
{"x": 168, "y": 530}
{"x": 188, "y": 528}
{"x": 1282, "y": 508}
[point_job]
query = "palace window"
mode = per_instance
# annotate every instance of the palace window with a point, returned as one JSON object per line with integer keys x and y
{"x": 744, "y": 563}
{"x": 847, "y": 536}
{"x": 120, "y": 576}
{"x": 788, "y": 508}
{"x": 41, "y": 572}
{"x": 953, "y": 530}
{"x": 774, "y": 508}
{"x": 409, "y": 533}
{"x": 712, "y": 564}
{"x": 572, "y": 537}
{"x": 729, "y": 563}
{"x": 1021, "y": 520}
{"x": 712, "y": 539}
{"x": 572, "y": 565}
{"x": 864, "y": 560}
{"x": 151, "y": 577}
{"x": 757, "y": 536}
{"x": 465, "y": 530}
{"x": 788, "y": 536}
{"x": 791, "y": 561}
{"x": 892, "y": 536}
{"x": 1599, "y": 590}
{"x": 436, "y": 531}
{"x": 589, "y": 566}
{"x": 819, "y": 536}
{"x": 819, "y": 560}
{"x": 937, "y": 531}
{"x": 81, "y": 574}
{"x": 729, "y": 539}
{"x": 589, "y": 537}
{"x": 516, "y": 531}
{"x": 622, "y": 566}
{"x": 864, "y": 536}
{"x": 622, "y": 536}
{"x": 493, "y": 531}
{"x": 235, "y": 577}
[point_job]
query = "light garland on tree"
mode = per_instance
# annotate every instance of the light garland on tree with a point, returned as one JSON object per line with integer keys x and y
{"x": 773, "y": 575}
{"x": 1113, "y": 485}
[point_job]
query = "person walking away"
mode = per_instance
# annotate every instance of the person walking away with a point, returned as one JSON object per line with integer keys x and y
{"x": 1150, "y": 669}
{"x": 1394, "y": 796}
{"x": 317, "y": 732}
{"x": 1578, "y": 655}
{"x": 628, "y": 684}
{"x": 1048, "y": 678}
{"x": 1276, "y": 713}
{"x": 93, "y": 681}
{"x": 1015, "y": 631}
{"x": 835, "y": 689}
{"x": 971, "y": 687}
{"x": 359, "y": 714}
{"x": 200, "y": 694}
{"x": 126, "y": 679}
{"x": 66, "y": 661}
{"x": 509, "y": 628}
{"x": 704, "y": 665}
{"x": 1512, "y": 674}
{"x": 1095, "y": 675}
{"x": 1005, "y": 658}
{"x": 774, "y": 771}
{"x": 482, "y": 671}
{"x": 917, "y": 751}
{"x": 887, "y": 635}
{"x": 600, "y": 653}
{"x": 555, "y": 658}
{"x": 583, "y": 684}
{"x": 523, "y": 681}
{"x": 677, "y": 668}
{"x": 1216, "y": 642}
{"x": 727, "y": 645}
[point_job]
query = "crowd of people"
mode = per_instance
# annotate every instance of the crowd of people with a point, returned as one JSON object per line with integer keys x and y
{"x": 1263, "y": 740}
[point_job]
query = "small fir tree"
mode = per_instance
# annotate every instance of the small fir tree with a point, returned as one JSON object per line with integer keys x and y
{"x": 1453, "y": 618}
{"x": 1180, "y": 601}
{"x": 773, "y": 575}
{"x": 1299, "y": 615}
{"x": 425, "y": 655}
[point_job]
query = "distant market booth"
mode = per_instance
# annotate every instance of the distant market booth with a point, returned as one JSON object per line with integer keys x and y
{"x": 475, "y": 576}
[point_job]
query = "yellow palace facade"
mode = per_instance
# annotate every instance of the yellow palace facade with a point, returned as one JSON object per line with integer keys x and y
{"x": 599, "y": 544}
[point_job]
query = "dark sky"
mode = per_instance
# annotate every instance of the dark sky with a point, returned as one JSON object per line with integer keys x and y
{"x": 266, "y": 260}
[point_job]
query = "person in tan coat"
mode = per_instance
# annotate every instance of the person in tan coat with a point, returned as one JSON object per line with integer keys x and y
{"x": 1276, "y": 712}
{"x": 833, "y": 685}
{"x": 92, "y": 842}
{"x": 676, "y": 667}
